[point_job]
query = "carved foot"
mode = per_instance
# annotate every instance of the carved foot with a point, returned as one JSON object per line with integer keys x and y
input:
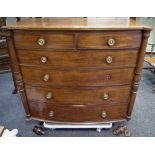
{"x": 127, "y": 133}
{"x": 122, "y": 130}
{"x": 39, "y": 130}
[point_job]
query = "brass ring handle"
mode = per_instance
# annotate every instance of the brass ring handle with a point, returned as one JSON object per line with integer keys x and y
{"x": 46, "y": 77}
{"x": 44, "y": 59}
{"x": 105, "y": 96}
{"x": 49, "y": 95}
{"x": 51, "y": 114}
{"x": 103, "y": 114}
{"x": 109, "y": 59}
{"x": 111, "y": 42}
{"x": 41, "y": 41}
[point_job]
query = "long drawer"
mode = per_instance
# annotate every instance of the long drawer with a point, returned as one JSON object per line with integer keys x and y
{"x": 109, "y": 39}
{"x": 100, "y": 59}
{"x": 83, "y": 114}
{"x": 77, "y": 77}
{"x": 44, "y": 40}
{"x": 78, "y": 95}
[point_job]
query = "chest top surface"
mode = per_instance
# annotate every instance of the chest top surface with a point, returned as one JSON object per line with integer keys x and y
{"x": 65, "y": 23}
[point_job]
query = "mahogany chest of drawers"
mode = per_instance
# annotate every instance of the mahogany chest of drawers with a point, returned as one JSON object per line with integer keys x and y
{"x": 77, "y": 70}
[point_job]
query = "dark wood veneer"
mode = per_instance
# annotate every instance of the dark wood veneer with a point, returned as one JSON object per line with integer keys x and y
{"x": 85, "y": 95}
{"x": 78, "y": 77}
{"x": 81, "y": 114}
{"x": 99, "y": 40}
{"x": 83, "y": 82}
{"x": 70, "y": 59}
{"x": 29, "y": 40}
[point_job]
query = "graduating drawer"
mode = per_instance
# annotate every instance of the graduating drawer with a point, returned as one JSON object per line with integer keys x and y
{"x": 81, "y": 114}
{"x": 79, "y": 95}
{"x": 72, "y": 59}
{"x": 109, "y": 39}
{"x": 77, "y": 77}
{"x": 44, "y": 40}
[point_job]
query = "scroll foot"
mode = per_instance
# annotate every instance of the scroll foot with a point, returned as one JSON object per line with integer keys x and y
{"x": 122, "y": 130}
{"x": 39, "y": 130}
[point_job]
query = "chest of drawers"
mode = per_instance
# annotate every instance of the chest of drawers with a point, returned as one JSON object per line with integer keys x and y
{"x": 77, "y": 70}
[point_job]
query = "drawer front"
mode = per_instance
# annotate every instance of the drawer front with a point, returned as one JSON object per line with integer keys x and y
{"x": 99, "y": 113}
{"x": 77, "y": 77}
{"x": 100, "y": 59}
{"x": 109, "y": 39}
{"x": 43, "y": 40}
{"x": 78, "y": 96}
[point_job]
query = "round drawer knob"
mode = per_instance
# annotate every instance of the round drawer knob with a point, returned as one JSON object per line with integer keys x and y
{"x": 49, "y": 95}
{"x": 46, "y": 77}
{"x": 105, "y": 96}
{"x": 41, "y": 41}
{"x": 44, "y": 59}
{"x": 104, "y": 114}
{"x": 111, "y": 42}
{"x": 51, "y": 114}
{"x": 108, "y": 59}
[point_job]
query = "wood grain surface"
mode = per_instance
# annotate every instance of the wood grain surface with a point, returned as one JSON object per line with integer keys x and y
{"x": 88, "y": 77}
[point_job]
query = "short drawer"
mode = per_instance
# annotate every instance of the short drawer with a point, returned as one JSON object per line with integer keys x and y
{"x": 81, "y": 114}
{"x": 77, "y": 95}
{"x": 43, "y": 40}
{"x": 77, "y": 77}
{"x": 109, "y": 39}
{"x": 72, "y": 59}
